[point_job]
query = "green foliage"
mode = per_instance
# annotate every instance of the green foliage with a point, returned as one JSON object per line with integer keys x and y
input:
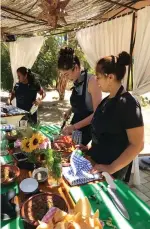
{"x": 46, "y": 63}
{"x": 144, "y": 101}
{"x": 6, "y": 74}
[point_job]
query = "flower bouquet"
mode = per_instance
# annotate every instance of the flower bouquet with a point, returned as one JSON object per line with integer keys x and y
{"x": 33, "y": 144}
{"x": 37, "y": 148}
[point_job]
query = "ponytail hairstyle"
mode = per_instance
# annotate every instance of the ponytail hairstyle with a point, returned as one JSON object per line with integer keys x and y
{"x": 30, "y": 75}
{"x": 67, "y": 59}
{"x": 114, "y": 65}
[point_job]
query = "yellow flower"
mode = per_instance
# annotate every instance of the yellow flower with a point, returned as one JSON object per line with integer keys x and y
{"x": 25, "y": 145}
{"x": 35, "y": 141}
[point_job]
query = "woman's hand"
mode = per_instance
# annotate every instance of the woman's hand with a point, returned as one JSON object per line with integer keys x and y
{"x": 37, "y": 102}
{"x": 98, "y": 168}
{"x": 68, "y": 130}
{"x": 82, "y": 148}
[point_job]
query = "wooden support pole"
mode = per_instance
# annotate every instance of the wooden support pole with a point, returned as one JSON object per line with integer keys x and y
{"x": 132, "y": 42}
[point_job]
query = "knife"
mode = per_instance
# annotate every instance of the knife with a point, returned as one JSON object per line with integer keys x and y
{"x": 63, "y": 125}
{"x": 111, "y": 188}
{"x": 61, "y": 128}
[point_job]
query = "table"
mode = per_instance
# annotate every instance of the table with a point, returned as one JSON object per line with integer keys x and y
{"x": 138, "y": 210}
{"x": 21, "y": 197}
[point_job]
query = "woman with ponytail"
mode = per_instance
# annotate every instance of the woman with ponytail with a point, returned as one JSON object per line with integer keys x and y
{"x": 117, "y": 125}
{"x": 26, "y": 91}
{"x": 85, "y": 95}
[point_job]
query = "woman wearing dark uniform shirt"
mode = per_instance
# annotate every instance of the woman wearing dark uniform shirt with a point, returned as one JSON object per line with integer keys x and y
{"x": 117, "y": 125}
{"x": 26, "y": 91}
{"x": 85, "y": 95}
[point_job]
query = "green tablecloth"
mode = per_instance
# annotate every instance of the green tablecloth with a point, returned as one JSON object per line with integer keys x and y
{"x": 139, "y": 211}
{"x": 12, "y": 224}
{"x": 50, "y": 131}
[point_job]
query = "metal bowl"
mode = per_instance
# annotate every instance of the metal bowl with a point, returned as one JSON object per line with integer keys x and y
{"x": 40, "y": 170}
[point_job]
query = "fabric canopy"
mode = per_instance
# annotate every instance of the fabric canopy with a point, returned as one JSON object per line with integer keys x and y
{"x": 24, "y": 52}
{"x": 141, "y": 78}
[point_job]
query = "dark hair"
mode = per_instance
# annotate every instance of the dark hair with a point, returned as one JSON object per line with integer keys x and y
{"x": 114, "y": 65}
{"x": 67, "y": 60}
{"x": 30, "y": 75}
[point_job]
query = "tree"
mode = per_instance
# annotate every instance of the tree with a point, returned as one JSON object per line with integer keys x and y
{"x": 6, "y": 74}
{"x": 46, "y": 64}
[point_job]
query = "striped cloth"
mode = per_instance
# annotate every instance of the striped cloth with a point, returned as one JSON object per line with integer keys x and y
{"x": 78, "y": 172}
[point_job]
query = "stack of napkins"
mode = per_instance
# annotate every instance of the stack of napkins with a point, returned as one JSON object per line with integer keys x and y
{"x": 79, "y": 170}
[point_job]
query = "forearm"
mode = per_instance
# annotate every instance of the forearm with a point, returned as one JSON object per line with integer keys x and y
{"x": 83, "y": 123}
{"x": 126, "y": 157}
{"x": 12, "y": 96}
{"x": 43, "y": 95}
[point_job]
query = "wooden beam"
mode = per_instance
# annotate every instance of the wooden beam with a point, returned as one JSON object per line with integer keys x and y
{"x": 129, "y": 4}
{"x": 121, "y": 4}
{"x": 31, "y": 7}
{"x": 20, "y": 18}
{"x": 15, "y": 11}
{"x": 12, "y": 18}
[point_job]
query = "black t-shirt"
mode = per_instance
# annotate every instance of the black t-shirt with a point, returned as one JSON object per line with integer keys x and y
{"x": 26, "y": 94}
{"x": 110, "y": 122}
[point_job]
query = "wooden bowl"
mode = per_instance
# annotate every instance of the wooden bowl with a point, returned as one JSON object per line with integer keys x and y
{"x": 12, "y": 172}
{"x": 38, "y": 205}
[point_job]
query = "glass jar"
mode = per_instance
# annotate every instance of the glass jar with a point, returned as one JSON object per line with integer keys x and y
{"x": 55, "y": 177}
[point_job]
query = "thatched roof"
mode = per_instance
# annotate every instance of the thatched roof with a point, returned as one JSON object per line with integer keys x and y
{"x": 20, "y": 16}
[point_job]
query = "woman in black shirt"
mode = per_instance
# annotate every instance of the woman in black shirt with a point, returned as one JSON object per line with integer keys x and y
{"x": 85, "y": 95}
{"x": 26, "y": 91}
{"x": 117, "y": 125}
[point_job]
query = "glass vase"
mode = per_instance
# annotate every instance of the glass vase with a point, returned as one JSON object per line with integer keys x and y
{"x": 55, "y": 177}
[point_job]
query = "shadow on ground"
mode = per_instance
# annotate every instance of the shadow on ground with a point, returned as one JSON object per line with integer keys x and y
{"x": 52, "y": 112}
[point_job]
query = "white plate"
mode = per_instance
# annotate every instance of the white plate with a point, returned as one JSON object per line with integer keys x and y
{"x": 29, "y": 185}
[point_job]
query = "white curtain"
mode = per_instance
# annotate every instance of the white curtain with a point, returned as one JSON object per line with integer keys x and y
{"x": 24, "y": 52}
{"x": 141, "y": 76}
{"x": 141, "y": 80}
{"x": 108, "y": 38}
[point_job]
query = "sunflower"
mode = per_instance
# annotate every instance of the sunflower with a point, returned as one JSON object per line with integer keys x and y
{"x": 25, "y": 145}
{"x": 35, "y": 141}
